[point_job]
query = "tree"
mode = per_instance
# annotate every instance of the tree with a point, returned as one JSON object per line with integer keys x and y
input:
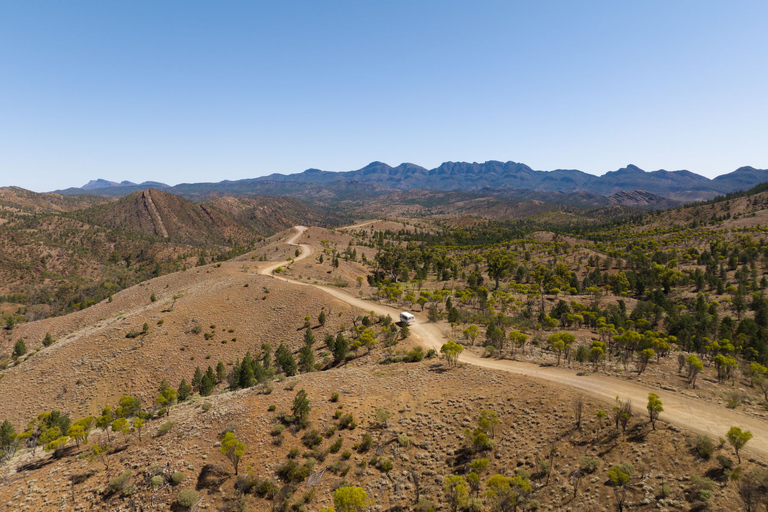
{"x": 80, "y": 429}
{"x": 518, "y": 338}
{"x": 221, "y": 372}
{"x": 138, "y": 424}
{"x": 455, "y": 488}
{"x": 451, "y": 351}
{"x": 578, "y": 410}
{"x": 101, "y": 452}
{"x": 321, "y": 318}
{"x": 498, "y": 264}
{"x": 208, "y": 382}
{"x": 695, "y": 366}
{"x": 232, "y": 449}
{"x": 645, "y": 356}
{"x": 184, "y": 390}
{"x": 340, "y": 349}
{"x": 488, "y": 421}
{"x": 48, "y": 340}
{"x": 197, "y": 379}
{"x": 105, "y": 420}
{"x": 19, "y": 349}
{"x": 470, "y": 333}
{"x": 284, "y": 359}
{"x": 306, "y": 358}
{"x": 738, "y": 438}
{"x": 7, "y": 437}
{"x": 121, "y": 425}
{"x": 166, "y": 399}
{"x": 301, "y": 407}
{"x": 654, "y": 408}
{"x": 351, "y": 499}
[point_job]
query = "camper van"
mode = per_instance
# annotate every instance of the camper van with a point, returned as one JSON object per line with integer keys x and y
{"x": 407, "y": 318}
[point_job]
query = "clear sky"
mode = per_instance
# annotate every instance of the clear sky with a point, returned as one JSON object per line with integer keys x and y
{"x": 189, "y": 91}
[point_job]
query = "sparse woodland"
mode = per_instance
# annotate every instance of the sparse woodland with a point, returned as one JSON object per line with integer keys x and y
{"x": 343, "y": 410}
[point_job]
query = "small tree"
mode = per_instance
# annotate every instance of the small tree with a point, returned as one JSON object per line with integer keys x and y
{"x": 184, "y": 390}
{"x": 232, "y": 449}
{"x": 578, "y": 410}
{"x": 221, "y": 372}
{"x": 321, "y": 318}
{"x": 695, "y": 366}
{"x": 451, "y": 351}
{"x": 197, "y": 379}
{"x": 19, "y": 349}
{"x": 301, "y": 408}
{"x": 471, "y": 333}
{"x": 456, "y": 492}
{"x": 738, "y": 438}
{"x": 645, "y": 356}
{"x": 138, "y": 424}
{"x": 654, "y": 408}
{"x": 100, "y": 452}
{"x": 351, "y": 499}
{"x": 286, "y": 362}
{"x": 121, "y": 425}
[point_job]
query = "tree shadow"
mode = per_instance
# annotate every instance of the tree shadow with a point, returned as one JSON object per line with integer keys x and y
{"x": 211, "y": 477}
{"x": 438, "y": 368}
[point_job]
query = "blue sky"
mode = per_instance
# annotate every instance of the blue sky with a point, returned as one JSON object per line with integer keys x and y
{"x": 189, "y": 91}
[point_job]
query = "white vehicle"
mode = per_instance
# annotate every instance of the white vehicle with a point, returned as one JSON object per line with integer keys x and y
{"x": 407, "y": 318}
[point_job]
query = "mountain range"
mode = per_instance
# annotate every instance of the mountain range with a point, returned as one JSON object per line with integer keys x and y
{"x": 378, "y": 178}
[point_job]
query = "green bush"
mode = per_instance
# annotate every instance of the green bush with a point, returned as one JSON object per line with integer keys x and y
{"x": 118, "y": 483}
{"x": 704, "y": 446}
{"x": 336, "y": 446}
{"x": 207, "y": 406}
{"x": 156, "y": 482}
{"x": 365, "y": 444}
{"x": 312, "y": 439}
{"x": 347, "y": 421}
{"x": 187, "y": 498}
{"x": 177, "y": 478}
{"x": 164, "y": 428}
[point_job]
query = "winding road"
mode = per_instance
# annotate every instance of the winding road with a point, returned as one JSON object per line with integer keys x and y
{"x": 686, "y": 412}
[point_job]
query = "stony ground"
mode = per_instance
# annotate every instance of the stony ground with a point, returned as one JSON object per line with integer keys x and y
{"x": 431, "y": 405}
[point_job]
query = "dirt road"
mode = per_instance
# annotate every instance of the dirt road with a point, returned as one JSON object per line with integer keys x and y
{"x": 689, "y": 413}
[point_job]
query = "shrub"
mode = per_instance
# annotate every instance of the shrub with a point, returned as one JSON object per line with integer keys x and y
{"x": 335, "y": 397}
{"x": 267, "y": 489}
{"x": 177, "y": 478}
{"x": 384, "y": 465}
{"x": 165, "y": 428}
{"x": 365, "y": 444}
{"x": 336, "y": 446}
{"x": 118, "y": 483}
{"x": 582, "y": 353}
{"x": 589, "y": 464}
{"x": 414, "y": 356}
{"x": 156, "y": 482}
{"x": 404, "y": 441}
{"x": 187, "y": 498}
{"x": 312, "y": 439}
{"x": 347, "y": 421}
{"x": 704, "y": 446}
{"x": 207, "y": 406}
{"x": 346, "y": 454}
{"x": 272, "y": 408}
